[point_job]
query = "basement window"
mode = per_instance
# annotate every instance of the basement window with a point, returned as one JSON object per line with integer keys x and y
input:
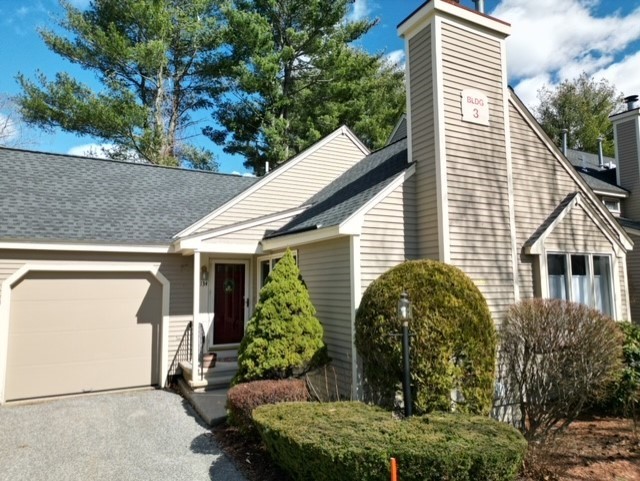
{"x": 582, "y": 278}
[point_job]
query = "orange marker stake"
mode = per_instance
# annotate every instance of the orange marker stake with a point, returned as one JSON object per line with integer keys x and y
{"x": 394, "y": 470}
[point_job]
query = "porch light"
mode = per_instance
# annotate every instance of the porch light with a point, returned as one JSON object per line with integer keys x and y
{"x": 404, "y": 314}
{"x": 204, "y": 276}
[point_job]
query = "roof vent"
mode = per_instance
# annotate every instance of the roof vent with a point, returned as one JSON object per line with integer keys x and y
{"x": 479, "y": 5}
{"x": 600, "y": 154}
{"x": 631, "y": 101}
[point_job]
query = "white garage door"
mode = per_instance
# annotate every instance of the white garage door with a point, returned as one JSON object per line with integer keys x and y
{"x": 80, "y": 332}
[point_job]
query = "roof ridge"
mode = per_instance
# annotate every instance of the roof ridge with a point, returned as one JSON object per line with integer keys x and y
{"x": 114, "y": 161}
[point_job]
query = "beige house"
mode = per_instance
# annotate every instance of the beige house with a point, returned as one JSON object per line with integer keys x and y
{"x": 103, "y": 264}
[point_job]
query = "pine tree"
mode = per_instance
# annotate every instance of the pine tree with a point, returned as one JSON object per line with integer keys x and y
{"x": 297, "y": 76}
{"x": 284, "y": 337}
{"x": 149, "y": 56}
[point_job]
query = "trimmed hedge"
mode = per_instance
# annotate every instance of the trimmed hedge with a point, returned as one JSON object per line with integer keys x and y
{"x": 454, "y": 343}
{"x": 244, "y": 398}
{"x": 351, "y": 440}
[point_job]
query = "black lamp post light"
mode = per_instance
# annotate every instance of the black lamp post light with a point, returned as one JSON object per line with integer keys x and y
{"x": 404, "y": 314}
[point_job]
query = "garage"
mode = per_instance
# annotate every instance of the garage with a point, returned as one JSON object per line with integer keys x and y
{"x": 77, "y": 332}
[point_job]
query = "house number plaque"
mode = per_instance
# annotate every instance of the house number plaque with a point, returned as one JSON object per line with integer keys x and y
{"x": 475, "y": 106}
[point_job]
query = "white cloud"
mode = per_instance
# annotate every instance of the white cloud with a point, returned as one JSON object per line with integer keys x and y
{"x": 552, "y": 41}
{"x": 396, "y": 58}
{"x": 360, "y": 10}
{"x": 98, "y": 151}
{"x": 8, "y": 130}
{"x": 624, "y": 75}
{"x": 243, "y": 174}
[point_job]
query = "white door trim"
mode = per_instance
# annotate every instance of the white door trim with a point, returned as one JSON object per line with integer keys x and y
{"x": 7, "y": 285}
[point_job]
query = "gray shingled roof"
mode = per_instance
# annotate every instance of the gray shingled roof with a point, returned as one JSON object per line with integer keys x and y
{"x": 352, "y": 190}
{"x": 602, "y": 179}
{"x": 628, "y": 223}
{"x": 400, "y": 131}
{"x": 61, "y": 198}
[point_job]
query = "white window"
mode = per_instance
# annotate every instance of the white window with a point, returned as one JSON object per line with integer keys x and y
{"x": 266, "y": 265}
{"x": 582, "y": 278}
{"x": 612, "y": 205}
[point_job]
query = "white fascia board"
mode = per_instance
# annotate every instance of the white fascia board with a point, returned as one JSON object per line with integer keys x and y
{"x": 306, "y": 237}
{"x": 568, "y": 167}
{"x": 418, "y": 19}
{"x": 344, "y": 130}
{"x": 537, "y": 247}
{"x": 40, "y": 246}
{"x": 610, "y": 194}
{"x": 353, "y": 224}
{"x": 221, "y": 247}
{"x": 625, "y": 115}
{"x": 210, "y": 234}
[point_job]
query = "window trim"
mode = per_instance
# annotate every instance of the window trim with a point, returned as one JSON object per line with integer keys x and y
{"x": 270, "y": 258}
{"x": 613, "y": 290}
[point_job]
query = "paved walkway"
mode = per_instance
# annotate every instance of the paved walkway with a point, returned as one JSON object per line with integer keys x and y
{"x": 142, "y": 435}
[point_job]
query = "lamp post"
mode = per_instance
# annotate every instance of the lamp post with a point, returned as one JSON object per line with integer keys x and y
{"x": 404, "y": 314}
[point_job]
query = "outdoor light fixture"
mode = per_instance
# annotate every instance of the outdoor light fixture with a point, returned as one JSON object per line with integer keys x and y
{"x": 404, "y": 314}
{"x": 204, "y": 276}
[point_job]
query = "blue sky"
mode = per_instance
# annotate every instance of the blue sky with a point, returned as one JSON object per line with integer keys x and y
{"x": 551, "y": 40}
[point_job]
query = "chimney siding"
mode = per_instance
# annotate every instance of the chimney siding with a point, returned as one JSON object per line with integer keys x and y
{"x": 462, "y": 168}
{"x": 628, "y": 165}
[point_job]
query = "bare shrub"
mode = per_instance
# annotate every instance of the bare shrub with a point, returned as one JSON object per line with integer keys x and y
{"x": 555, "y": 356}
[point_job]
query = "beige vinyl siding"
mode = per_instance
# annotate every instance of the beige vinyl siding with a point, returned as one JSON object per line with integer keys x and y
{"x": 629, "y": 165}
{"x": 419, "y": 67}
{"x": 325, "y": 268}
{"x": 296, "y": 185}
{"x": 177, "y": 268}
{"x": 540, "y": 183}
{"x": 251, "y": 234}
{"x": 577, "y": 233}
{"x": 476, "y": 166}
{"x": 389, "y": 233}
{"x": 633, "y": 275}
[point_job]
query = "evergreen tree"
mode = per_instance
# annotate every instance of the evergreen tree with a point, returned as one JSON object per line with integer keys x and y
{"x": 296, "y": 77}
{"x": 149, "y": 56}
{"x": 283, "y": 337}
{"x": 582, "y": 106}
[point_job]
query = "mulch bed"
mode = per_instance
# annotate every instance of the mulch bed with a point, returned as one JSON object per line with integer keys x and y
{"x": 592, "y": 449}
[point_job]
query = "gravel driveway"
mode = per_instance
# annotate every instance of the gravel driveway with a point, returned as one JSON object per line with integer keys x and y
{"x": 141, "y": 435}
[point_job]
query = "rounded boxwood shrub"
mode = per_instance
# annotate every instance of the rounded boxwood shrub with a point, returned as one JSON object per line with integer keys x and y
{"x": 453, "y": 348}
{"x": 284, "y": 336}
{"x": 350, "y": 440}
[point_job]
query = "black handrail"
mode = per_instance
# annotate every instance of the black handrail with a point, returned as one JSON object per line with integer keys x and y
{"x": 183, "y": 353}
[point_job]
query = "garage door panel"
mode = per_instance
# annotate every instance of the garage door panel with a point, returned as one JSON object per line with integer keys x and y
{"x": 76, "y": 332}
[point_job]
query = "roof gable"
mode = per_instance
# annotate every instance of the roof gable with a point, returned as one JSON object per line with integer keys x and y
{"x": 289, "y": 185}
{"x": 351, "y": 191}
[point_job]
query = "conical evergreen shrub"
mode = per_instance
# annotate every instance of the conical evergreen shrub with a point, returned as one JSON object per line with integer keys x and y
{"x": 284, "y": 336}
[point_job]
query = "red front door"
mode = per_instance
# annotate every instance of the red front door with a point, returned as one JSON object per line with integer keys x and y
{"x": 229, "y": 299}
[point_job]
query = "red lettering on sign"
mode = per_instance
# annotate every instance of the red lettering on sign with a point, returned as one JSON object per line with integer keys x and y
{"x": 475, "y": 101}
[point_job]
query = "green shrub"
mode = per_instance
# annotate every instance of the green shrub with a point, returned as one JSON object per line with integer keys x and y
{"x": 283, "y": 337}
{"x": 244, "y": 398}
{"x": 353, "y": 441}
{"x": 454, "y": 343}
{"x": 623, "y": 394}
{"x": 555, "y": 355}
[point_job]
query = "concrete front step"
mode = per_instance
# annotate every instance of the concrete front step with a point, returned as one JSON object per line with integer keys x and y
{"x": 214, "y": 378}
